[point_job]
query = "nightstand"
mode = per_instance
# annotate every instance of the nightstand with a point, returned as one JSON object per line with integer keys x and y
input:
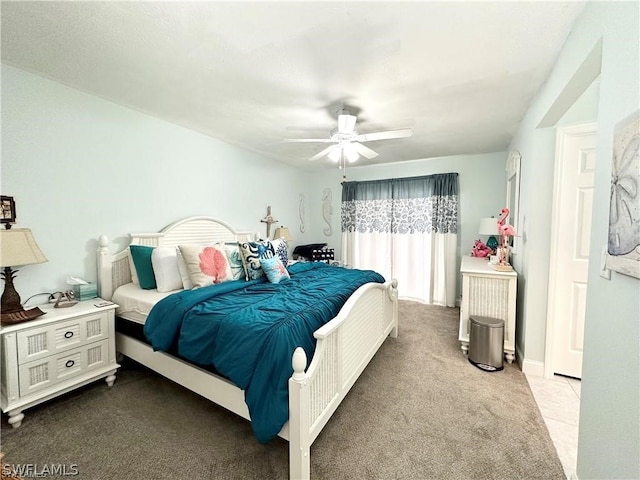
{"x": 489, "y": 293}
{"x": 56, "y": 353}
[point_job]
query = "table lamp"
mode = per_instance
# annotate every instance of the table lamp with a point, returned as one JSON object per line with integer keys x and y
{"x": 283, "y": 232}
{"x": 489, "y": 226}
{"x": 17, "y": 247}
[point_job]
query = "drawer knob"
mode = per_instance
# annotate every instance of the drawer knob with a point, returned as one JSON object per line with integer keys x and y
{"x": 69, "y": 364}
{"x": 68, "y": 334}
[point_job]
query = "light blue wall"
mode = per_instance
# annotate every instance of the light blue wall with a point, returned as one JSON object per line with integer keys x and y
{"x": 482, "y": 190}
{"x": 609, "y": 432}
{"x": 79, "y": 166}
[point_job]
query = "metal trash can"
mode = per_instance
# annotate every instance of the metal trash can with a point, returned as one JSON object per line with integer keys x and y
{"x": 486, "y": 343}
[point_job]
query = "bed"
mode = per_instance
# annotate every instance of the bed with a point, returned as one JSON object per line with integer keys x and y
{"x": 344, "y": 345}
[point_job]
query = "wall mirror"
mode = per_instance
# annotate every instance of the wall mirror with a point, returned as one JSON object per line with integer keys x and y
{"x": 513, "y": 194}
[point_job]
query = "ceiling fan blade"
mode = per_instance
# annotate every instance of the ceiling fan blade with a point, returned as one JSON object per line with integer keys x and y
{"x": 307, "y": 140}
{"x": 364, "y": 151}
{"x": 368, "y": 137}
{"x": 324, "y": 152}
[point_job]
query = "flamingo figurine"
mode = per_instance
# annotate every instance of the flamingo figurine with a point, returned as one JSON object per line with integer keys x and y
{"x": 502, "y": 217}
{"x": 506, "y": 231}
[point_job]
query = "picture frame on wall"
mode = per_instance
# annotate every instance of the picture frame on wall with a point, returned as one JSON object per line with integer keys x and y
{"x": 623, "y": 243}
{"x": 8, "y": 215}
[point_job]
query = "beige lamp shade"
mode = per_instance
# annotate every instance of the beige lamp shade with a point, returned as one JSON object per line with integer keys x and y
{"x": 488, "y": 226}
{"x": 283, "y": 232}
{"x": 18, "y": 247}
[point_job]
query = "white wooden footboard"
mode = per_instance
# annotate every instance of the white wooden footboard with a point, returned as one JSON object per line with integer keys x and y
{"x": 345, "y": 345}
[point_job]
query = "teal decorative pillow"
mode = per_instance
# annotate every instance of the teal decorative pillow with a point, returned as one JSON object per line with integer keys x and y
{"x": 251, "y": 253}
{"x": 274, "y": 269}
{"x": 141, "y": 256}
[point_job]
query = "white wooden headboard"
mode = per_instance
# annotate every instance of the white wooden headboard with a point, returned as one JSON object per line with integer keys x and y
{"x": 113, "y": 269}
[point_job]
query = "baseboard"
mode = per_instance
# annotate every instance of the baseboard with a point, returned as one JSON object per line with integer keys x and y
{"x": 533, "y": 368}
{"x": 519, "y": 357}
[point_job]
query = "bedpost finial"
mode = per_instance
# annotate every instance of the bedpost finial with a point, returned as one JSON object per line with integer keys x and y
{"x": 103, "y": 241}
{"x": 392, "y": 290}
{"x": 299, "y": 362}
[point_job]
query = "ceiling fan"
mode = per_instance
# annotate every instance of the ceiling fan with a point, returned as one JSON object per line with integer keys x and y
{"x": 348, "y": 142}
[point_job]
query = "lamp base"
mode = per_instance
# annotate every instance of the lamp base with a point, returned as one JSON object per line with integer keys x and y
{"x": 11, "y": 318}
{"x": 492, "y": 243}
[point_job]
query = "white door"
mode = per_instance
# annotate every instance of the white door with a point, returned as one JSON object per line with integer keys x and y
{"x": 570, "y": 237}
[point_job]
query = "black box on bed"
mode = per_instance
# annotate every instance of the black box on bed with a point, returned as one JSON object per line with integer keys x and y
{"x": 322, "y": 255}
{"x": 314, "y": 252}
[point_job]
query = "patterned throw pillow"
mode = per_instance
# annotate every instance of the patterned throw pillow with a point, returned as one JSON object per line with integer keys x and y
{"x": 274, "y": 269}
{"x": 252, "y": 252}
{"x": 206, "y": 265}
{"x": 280, "y": 248}
{"x": 234, "y": 257}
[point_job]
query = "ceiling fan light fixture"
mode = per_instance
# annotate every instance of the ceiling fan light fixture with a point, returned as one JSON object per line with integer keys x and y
{"x": 350, "y": 153}
{"x": 335, "y": 154}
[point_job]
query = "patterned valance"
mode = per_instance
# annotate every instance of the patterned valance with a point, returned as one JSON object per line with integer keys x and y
{"x": 401, "y": 205}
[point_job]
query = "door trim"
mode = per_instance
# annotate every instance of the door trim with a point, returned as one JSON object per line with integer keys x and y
{"x": 561, "y": 134}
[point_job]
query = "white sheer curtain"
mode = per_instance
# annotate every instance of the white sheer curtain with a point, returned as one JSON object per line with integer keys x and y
{"x": 406, "y": 229}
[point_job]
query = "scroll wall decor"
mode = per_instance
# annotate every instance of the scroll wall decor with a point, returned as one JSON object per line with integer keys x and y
{"x": 301, "y": 212}
{"x": 327, "y": 211}
{"x": 623, "y": 246}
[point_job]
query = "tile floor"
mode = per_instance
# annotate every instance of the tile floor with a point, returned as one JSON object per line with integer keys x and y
{"x": 558, "y": 399}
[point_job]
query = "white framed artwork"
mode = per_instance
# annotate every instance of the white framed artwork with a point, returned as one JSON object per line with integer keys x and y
{"x": 623, "y": 243}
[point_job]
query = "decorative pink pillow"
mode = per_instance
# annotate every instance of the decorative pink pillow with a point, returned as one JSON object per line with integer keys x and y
{"x": 206, "y": 265}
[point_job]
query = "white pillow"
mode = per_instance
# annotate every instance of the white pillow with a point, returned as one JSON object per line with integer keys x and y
{"x": 184, "y": 274}
{"x": 165, "y": 268}
{"x": 132, "y": 267}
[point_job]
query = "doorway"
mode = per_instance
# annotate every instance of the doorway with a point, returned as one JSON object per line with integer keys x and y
{"x": 570, "y": 239}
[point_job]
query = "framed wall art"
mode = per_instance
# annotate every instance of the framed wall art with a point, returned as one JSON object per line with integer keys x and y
{"x": 8, "y": 211}
{"x": 623, "y": 243}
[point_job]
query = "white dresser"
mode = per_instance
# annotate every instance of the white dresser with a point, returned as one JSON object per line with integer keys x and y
{"x": 488, "y": 293}
{"x": 59, "y": 351}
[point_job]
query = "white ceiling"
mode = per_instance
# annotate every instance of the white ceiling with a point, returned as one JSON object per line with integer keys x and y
{"x": 460, "y": 74}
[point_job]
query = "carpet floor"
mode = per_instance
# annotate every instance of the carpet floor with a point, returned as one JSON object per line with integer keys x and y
{"x": 419, "y": 411}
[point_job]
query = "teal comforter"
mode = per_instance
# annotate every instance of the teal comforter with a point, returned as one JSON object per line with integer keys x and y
{"x": 248, "y": 331}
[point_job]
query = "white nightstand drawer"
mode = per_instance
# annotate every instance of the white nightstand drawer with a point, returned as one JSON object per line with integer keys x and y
{"x": 50, "y": 370}
{"x": 35, "y": 343}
